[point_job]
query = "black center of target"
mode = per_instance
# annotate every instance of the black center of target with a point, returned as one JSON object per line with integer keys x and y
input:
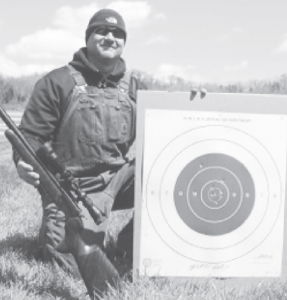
{"x": 214, "y": 194}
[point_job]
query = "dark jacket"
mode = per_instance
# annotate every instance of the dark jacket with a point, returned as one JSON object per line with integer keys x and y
{"x": 53, "y": 93}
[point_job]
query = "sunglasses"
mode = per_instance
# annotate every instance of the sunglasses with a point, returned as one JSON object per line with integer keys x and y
{"x": 117, "y": 33}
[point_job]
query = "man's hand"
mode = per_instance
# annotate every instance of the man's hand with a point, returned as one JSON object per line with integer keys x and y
{"x": 25, "y": 172}
{"x": 131, "y": 155}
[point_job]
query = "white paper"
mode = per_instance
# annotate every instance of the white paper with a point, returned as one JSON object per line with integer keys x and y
{"x": 213, "y": 194}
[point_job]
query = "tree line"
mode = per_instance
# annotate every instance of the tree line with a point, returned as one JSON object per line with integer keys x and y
{"x": 18, "y": 90}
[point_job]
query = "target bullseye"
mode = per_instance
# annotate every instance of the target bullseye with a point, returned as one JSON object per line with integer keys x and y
{"x": 209, "y": 207}
{"x": 214, "y": 195}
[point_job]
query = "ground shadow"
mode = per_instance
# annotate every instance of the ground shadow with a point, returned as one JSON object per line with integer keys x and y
{"x": 28, "y": 246}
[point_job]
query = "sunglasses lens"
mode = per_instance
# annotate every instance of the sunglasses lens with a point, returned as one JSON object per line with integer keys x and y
{"x": 117, "y": 33}
{"x": 101, "y": 31}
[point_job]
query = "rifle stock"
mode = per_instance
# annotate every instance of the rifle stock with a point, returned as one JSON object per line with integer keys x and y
{"x": 96, "y": 269}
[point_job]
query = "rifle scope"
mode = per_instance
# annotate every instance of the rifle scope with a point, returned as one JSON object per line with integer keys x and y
{"x": 47, "y": 154}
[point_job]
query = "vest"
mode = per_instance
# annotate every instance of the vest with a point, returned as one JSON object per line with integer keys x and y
{"x": 97, "y": 128}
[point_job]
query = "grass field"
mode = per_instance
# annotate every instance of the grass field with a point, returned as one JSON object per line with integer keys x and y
{"x": 24, "y": 276}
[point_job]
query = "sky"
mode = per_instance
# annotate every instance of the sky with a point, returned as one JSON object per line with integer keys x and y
{"x": 216, "y": 41}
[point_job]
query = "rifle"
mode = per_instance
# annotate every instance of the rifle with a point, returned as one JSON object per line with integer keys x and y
{"x": 96, "y": 269}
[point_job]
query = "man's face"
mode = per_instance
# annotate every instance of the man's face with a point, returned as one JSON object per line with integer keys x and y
{"x": 106, "y": 43}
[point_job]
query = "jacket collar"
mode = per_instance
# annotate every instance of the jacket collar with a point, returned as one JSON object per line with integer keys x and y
{"x": 82, "y": 64}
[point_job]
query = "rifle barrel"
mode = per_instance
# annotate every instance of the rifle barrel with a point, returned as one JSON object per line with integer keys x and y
{"x": 13, "y": 127}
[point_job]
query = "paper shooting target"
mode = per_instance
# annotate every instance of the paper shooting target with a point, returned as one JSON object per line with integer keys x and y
{"x": 210, "y": 186}
{"x": 213, "y": 194}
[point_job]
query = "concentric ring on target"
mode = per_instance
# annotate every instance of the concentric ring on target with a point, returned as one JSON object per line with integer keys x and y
{"x": 214, "y": 194}
{"x": 248, "y": 203}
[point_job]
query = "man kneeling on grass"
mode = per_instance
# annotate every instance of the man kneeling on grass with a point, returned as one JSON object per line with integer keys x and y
{"x": 87, "y": 110}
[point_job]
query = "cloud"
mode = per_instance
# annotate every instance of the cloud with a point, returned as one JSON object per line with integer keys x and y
{"x": 164, "y": 71}
{"x": 66, "y": 33}
{"x": 230, "y": 33}
{"x": 241, "y": 66}
{"x": 68, "y": 30}
{"x": 74, "y": 19}
{"x": 12, "y": 69}
{"x": 58, "y": 42}
{"x": 237, "y": 30}
{"x": 135, "y": 13}
{"x": 46, "y": 44}
{"x": 283, "y": 46}
{"x": 160, "y": 16}
{"x": 157, "y": 39}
